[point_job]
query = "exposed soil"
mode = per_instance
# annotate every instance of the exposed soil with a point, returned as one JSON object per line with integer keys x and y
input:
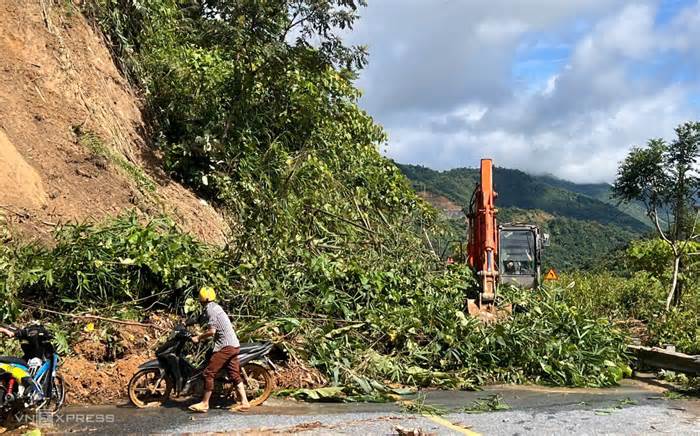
{"x": 297, "y": 375}
{"x": 57, "y": 78}
{"x": 440, "y": 202}
{"x": 91, "y": 382}
{"x": 105, "y": 357}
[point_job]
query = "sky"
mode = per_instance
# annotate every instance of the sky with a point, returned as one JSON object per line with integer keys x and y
{"x": 562, "y": 87}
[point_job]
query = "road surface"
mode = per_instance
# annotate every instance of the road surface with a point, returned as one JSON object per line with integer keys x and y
{"x": 636, "y": 407}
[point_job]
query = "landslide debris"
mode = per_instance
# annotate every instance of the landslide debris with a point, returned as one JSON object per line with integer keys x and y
{"x": 58, "y": 86}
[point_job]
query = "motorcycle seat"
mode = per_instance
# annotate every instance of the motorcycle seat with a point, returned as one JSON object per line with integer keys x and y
{"x": 254, "y": 347}
{"x": 13, "y": 360}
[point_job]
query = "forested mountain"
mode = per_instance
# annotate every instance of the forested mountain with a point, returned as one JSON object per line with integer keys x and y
{"x": 599, "y": 191}
{"x": 584, "y": 223}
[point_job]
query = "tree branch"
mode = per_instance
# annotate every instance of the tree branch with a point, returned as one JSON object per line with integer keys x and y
{"x": 655, "y": 216}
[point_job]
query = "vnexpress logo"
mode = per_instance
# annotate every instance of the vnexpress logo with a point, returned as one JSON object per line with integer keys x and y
{"x": 46, "y": 419}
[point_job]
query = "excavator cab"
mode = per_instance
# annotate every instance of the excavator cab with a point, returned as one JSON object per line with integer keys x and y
{"x": 520, "y": 254}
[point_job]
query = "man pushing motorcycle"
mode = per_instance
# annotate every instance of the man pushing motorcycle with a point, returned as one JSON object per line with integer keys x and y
{"x": 225, "y": 353}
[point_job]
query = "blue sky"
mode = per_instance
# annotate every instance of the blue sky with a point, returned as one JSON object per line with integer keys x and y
{"x": 547, "y": 86}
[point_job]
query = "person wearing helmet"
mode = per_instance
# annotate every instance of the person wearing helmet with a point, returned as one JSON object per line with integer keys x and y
{"x": 226, "y": 349}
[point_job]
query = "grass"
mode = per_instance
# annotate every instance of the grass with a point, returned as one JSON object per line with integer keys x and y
{"x": 93, "y": 142}
{"x": 494, "y": 403}
{"x": 419, "y": 407}
{"x": 674, "y": 395}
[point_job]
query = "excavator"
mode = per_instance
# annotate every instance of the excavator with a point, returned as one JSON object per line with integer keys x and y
{"x": 504, "y": 254}
{"x": 499, "y": 254}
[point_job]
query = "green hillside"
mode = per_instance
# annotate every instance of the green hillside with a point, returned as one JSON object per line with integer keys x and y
{"x": 518, "y": 189}
{"x": 584, "y": 224}
{"x": 599, "y": 191}
{"x": 574, "y": 244}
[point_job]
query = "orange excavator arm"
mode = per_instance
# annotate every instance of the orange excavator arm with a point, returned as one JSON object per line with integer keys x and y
{"x": 482, "y": 248}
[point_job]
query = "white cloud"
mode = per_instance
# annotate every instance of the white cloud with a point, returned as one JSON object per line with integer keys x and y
{"x": 551, "y": 85}
{"x": 440, "y": 80}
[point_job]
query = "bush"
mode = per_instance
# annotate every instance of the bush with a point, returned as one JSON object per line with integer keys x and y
{"x": 10, "y": 280}
{"x": 549, "y": 340}
{"x": 640, "y": 296}
{"x": 120, "y": 260}
{"x": 679, "y": 327}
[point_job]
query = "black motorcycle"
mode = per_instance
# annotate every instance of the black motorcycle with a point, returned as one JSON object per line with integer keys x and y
{"x": 171, "y": 375}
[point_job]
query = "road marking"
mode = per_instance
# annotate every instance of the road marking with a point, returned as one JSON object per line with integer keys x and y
{"x": 448, "y": 424}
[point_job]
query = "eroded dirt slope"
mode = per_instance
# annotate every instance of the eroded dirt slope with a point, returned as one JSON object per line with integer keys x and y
{"x": 71, "y": 130}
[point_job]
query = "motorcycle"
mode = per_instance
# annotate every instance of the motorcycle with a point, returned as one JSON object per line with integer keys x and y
{"x": 31, "y": 384}
{"x": 170, "y": 374}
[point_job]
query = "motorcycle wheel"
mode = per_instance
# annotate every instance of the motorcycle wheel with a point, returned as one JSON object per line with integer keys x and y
{"x": 58, "y": 396}
{"x": 258, "y": 383}
{"x": 148, "y": 389}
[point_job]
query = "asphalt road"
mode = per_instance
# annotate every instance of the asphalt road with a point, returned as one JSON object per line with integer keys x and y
{"x": 636, "y": 407}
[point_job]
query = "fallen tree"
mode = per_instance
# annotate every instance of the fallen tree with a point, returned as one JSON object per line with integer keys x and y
{"x": 361, "y": 327}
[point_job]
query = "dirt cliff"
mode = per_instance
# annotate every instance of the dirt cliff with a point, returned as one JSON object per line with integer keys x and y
{"x": 72, "y": 137}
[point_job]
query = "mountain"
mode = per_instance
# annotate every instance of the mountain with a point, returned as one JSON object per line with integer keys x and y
{"x": 599, "y": 191}
{"x": 583, "y": 222}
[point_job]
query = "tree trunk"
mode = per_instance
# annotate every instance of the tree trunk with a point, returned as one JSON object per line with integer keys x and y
{"x": 674, "y": 282}
{"x": 680, "y": 285}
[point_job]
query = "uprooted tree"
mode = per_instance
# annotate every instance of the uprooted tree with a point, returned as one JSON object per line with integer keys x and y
{"x": 664, "y": 177}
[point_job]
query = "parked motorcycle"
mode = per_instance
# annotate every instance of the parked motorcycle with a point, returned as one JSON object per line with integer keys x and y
{"x": 172, "y": 375}
{"x": 31, "y": 384}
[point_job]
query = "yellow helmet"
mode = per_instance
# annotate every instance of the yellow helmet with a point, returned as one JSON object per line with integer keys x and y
{"x": 207, "y": 293}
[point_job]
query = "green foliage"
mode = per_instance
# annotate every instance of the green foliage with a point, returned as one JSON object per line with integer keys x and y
{"x": 11, "y": 277}
{"x": 493, "y": 403}
{"x": 330, "y": 393}
{"x": 607, "y": 295}
{"x": 358, "y": 324}
{"x": 62, "y": 338}
{"x": 679, "y": 327}
{"x": 655, "y": 255}
{"x": 268, "y": 126}
{"x": 119, "y": 261}
{"x": 328, "y": 249}
{"x": 663, "y": 177}
{"x": 420, "y": 407}
{"x": 556, "y": 342}
{"x": 639, "y": 297}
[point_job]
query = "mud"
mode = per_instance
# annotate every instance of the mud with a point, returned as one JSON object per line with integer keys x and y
{"x": 90, "y": 382}
{"x": 99, "y": 370}
{"x": 295, "y": 374}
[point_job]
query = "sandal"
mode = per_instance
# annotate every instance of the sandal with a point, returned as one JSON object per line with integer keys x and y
{"x": 199, "y": 407}
{"x": 240, "y": 408}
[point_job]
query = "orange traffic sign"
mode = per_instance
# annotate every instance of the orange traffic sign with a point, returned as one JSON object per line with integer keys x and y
{"x": 551, "y": 275}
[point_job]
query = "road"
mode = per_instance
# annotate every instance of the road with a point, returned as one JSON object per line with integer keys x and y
{"x": 636, "y": 407}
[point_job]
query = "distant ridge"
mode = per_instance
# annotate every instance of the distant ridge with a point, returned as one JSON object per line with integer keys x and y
{"x": 584, "y": 222}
